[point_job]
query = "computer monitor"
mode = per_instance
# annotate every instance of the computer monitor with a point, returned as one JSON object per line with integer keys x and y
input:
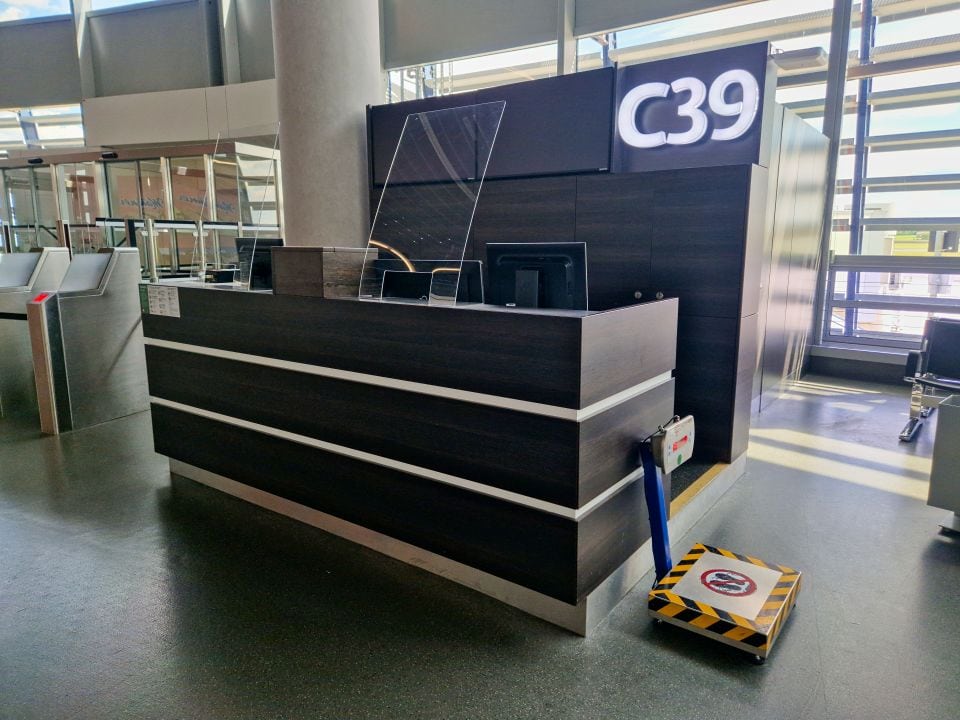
{"x": 399, "y": 282}
{"x": 256, "y": 262}
{"x": 538, "y": 275}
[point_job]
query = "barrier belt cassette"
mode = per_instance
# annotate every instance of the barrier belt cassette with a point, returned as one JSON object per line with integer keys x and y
{"x": 735, "y": 599}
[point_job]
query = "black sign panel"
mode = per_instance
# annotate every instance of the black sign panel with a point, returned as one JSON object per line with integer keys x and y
{"x": 695, "y": 111}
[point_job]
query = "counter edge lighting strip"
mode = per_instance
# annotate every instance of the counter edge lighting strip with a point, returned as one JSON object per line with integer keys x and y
{"x": 496, "y": 401}
{"x": 463, "y": 483}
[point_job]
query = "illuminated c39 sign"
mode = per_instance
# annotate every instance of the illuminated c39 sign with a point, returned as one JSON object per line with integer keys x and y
{"x": 693, "y": 111}
{"x": 745, "y": 109}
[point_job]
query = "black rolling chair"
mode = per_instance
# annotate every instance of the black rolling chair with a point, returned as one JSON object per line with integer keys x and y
{"x": 934, "y": 372}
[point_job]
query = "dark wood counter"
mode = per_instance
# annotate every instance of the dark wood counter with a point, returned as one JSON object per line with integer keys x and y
{"x": 503, "y": 440}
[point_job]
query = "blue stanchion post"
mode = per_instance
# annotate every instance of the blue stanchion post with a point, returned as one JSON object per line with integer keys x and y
{"x": 657, "y": 508}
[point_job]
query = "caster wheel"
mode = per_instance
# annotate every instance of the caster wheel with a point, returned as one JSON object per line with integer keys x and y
{"x": 758, "y": 660}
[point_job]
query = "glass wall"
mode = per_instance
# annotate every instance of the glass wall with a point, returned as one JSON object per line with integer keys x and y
{"x": 898, "y": 183}
{"x": 29, "y": 207}
{"x": 453, "y": 76}
{"x": 895, "y": 256}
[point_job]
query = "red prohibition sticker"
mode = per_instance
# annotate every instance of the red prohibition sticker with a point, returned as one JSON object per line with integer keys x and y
{"x": 728, "y": 582}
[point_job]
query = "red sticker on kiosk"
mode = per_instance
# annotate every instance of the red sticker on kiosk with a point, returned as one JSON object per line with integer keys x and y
{"x": 728, "y": 582}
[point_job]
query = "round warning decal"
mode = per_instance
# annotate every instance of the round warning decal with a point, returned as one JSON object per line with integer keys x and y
{"x": 728, "y": 582}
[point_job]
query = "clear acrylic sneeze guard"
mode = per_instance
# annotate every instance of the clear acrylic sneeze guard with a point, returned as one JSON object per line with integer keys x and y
{"x": 419, "y": 234}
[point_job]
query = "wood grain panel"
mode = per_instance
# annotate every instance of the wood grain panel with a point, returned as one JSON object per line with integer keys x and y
{"x": 317, "y": 271}
{"x": 700, "y": 219}
{"x": 608, "y": 536}
{"x": 706, "y": 372}
{"x": 616, "y": 349}
{"x": 613, "y": 220}
{"x": 523, "y": 355}
{"x": 610, "y": 442}
{"x": 529, "y": 454}
{"x": 527, "y": 547}
{"x": 531, "y": 210}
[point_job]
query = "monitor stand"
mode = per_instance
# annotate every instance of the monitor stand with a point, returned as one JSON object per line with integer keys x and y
{"x": 528, "y": 288}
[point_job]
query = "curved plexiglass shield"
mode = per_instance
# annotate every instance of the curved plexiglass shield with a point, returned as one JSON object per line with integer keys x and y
{"x": 426, "y": 207}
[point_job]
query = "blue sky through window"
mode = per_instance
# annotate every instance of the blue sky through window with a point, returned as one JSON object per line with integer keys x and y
{"x": 23, "y": 9}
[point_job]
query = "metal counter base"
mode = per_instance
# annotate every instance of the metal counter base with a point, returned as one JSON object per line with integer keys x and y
{"x": 582, "y": 618}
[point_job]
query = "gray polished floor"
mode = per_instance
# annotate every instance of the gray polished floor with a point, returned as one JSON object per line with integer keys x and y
{"x": 124, "y": 597}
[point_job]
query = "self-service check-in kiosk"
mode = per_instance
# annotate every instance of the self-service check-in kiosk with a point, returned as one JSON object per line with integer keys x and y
{"x": 22, "y": 276}
{"x": 87, "y": 343}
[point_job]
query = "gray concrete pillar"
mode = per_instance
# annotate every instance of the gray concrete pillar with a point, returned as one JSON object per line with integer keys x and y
{"x": 327, "y": 55}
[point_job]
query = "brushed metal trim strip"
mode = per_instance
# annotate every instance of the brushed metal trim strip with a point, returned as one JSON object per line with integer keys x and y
{"x": 575, "y": 514}
{"x": 497, "y": 401}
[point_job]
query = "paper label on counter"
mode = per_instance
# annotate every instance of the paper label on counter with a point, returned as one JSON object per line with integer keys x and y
{"x": 163, "y": 300}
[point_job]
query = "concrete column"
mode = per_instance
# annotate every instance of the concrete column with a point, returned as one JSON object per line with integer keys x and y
{"x": 327, "y": 56}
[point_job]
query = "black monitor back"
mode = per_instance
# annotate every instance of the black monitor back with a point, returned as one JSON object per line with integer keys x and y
{"x": 469, "y": 289}
{"x": 943, "y": 347}
{"x": 254, "y": 255}
{"x": 544, "y": 275}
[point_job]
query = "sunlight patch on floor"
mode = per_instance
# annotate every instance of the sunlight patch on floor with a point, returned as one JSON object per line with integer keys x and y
{"x": 852, "y": 450}
{"x": 837, "y": 470}
{"x": 837, "y": 388}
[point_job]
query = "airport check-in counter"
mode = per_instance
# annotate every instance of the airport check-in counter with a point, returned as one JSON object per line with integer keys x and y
{"x": 494, "y": 446}
{"x": 87, "y": 343}
{"x": 22, "y": 276}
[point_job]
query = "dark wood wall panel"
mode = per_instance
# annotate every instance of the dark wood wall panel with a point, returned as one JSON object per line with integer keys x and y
{"x": 706, "y": 372}
{"x": 428, "y": 221}
{"x": 529, "y": 210}
{"x": 612, "y": 219}
{"x": 531, "y": 548}
{"x": 698, "y": 223}
{"x": 679, "y": 232}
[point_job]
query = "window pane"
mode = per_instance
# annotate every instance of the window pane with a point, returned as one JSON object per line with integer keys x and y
{"x": 151, "y": 184}
{"x": 225, "y": 182}
{"x": 19, "y": 188}
{"x": 79, "y": 198}
{"x": 23, "y": 9}
{"x": 188, "y": 178}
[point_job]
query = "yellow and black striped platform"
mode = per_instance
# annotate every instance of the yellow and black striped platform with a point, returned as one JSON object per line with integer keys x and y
{"x": 736, "y": 599}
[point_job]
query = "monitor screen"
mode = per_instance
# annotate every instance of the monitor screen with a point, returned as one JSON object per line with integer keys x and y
{"x": 255, "y": 261}
{"x": 538, "y": 275}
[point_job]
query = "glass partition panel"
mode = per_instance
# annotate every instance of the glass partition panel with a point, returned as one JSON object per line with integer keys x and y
{"x": 89, "y": 239}
{"x": 19, "y": 186}
{"x": 123, "y": 189}
{"x": 416, "y": 246}
{"x": 226, "y": 187}
{"x": 250, "y": 198}
{"x": 46, "y": 207}
{"x": 79, "y": 197}
{"x": 151, "y": 190}
{"x": 188, "y": 180}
